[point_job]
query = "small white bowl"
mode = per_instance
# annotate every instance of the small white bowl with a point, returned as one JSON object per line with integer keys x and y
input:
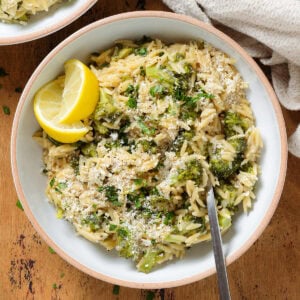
{"x": 44, "y": 23}
{"x": 198, "y": 263}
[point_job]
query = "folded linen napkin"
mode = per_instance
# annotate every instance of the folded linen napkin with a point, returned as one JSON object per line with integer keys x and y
{"x": 269, "y": 31}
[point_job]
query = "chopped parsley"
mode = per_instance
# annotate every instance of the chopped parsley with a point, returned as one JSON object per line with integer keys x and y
{"x": 123, "y": 232}
{"x": 112, "y": 227}
{"x": 3, "y": 72}
{"x": 132, "y": 102}
{"x": 111, "y": 194}
{"x": 132, "y": 93}
{"x": 150, "y": 295}
{"x": 169, "y": 217}
{"x": 116, "y": 289}
{"x": 52, "y": 181}
{"x": 18, "y": 90}
{"x": 140, "y": 182}
{"x": 19, "y": 205}
{"x": 6, "y": 110}
{"x": 141, "y": 51}
{"x": 51, "y": 250}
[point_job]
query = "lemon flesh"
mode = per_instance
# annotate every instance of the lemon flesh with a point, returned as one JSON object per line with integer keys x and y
{"x": 47, "y": 107}
{"x": 80, "y": 94}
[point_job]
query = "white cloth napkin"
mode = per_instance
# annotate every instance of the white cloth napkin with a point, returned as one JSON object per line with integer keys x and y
{"x": 268, "y": 30}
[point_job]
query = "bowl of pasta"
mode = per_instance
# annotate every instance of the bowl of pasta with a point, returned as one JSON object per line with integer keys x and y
{"x": 24, "y": 21}
{"x": 122, "y": 136}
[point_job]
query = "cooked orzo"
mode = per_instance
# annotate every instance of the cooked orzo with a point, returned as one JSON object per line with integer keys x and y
{"x": 171, "y": 120}
{"x": 17, "y": 11}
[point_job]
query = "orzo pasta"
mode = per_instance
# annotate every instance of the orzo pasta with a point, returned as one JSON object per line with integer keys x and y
{"x": 170, "y": 120}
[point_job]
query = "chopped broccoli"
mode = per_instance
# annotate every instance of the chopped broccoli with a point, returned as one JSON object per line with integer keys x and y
{"x": 193, "y": 171}
{"x": 149, "y": 260}
{"x": 162, "y": 75}
{"x": 122, "y": 53}
{"x": 105, "y": 106}
{"x": 124, "y": 241}
{"x": 142, "y": 51}
{"x": 169, "y": 218}
{"x": 222, "y": 168}
{"x": 89, "y": 150}
{"x": 101, "y": 129}
{"x": 239, "y": 144}
{"x": 232, "y": 122}
{"x": 224, "y": 218}
{"x": 181, "y": 137}
{"x": 148, "y": 146}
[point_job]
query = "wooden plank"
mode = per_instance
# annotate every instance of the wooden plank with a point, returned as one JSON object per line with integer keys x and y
{"x": 269, "y": 270}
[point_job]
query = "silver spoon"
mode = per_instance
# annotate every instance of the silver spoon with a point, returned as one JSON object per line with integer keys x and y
{"x": 217, "y": 246}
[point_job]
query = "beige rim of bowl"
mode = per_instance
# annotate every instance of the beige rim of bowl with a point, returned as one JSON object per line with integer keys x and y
{"x": 283, "y": 140}
{"x": 50, "y": 29}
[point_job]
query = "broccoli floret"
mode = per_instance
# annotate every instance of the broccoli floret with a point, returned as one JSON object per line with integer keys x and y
{"x": 162, "y": 75}
{"x": 89, "y": 150}
{"x": 232, "y": 122}
{"x": 223, "y": 168}
{"x": 148, "y": 146}
{"x": 193, "y": 171}
{"x": 248, "y": 167}
{"x": 124, "y": 242}
{"x": 122, "y": 53}
{"x": 149, "y": 260}
{"x": 239, "y": 144}
{"x": 101, "y": 129}
{"x": 181, "y": 137}
{"x": 105, "y": 106}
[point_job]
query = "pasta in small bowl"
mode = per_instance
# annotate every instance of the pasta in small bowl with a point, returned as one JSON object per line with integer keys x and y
{"x": 23, "y": 21}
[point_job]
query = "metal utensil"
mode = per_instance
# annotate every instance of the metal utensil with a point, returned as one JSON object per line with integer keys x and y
{"x": 217, "y": 246}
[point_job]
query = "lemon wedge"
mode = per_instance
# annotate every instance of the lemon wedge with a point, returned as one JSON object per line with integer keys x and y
{"x": 80, "y": 94}
{"x": 47, "y": 107}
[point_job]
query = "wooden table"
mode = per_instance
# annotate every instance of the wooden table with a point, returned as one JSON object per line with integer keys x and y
{"x": 269, "y": 270}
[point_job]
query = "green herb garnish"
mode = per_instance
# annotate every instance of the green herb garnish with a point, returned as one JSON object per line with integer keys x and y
{"x": 18, "y": 90}
{"x": 111, "y": 194}
{"x": 6, "y": 110}
{"x": 116, "y": 289}
{"x": 132, "y": 102}
{"x": 112, "y": 227}
{"x": 19, "y": 205}
{"x": 3, "y": 72}
{"x": 141, "y": 51}
{"x": 150, "y": 295}
{"x": 52, "y": 181}
{"x": 51, "y": 250}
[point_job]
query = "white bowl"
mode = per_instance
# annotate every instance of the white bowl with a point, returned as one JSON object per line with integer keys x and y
{"x": 59, "y": 234}
{"x": 44, "y": 23}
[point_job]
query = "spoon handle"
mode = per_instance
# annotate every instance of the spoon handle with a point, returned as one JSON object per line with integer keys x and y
{"x": 217, "y": 247}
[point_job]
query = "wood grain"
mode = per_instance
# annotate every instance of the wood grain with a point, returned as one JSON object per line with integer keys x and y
{"x": 268, "y": 270}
